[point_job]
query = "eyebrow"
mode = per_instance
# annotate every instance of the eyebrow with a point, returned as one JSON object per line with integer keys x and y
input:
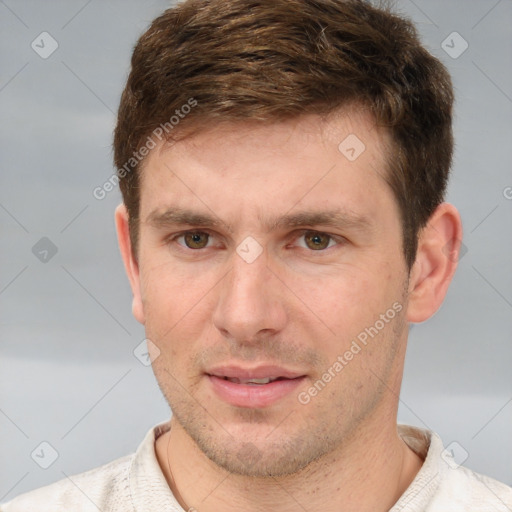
{"x": 173, "y": 216}
{"x": 331, "y": 218}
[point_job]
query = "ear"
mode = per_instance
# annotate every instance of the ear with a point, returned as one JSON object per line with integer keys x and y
{"x": 436, "y": 261}
{"x": 130, "y": 263}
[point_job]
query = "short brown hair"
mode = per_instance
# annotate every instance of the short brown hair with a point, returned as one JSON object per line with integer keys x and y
{"x": 272, "y": 60}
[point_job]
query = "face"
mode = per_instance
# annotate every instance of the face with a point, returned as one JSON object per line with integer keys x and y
{"x": 272, "y": 252}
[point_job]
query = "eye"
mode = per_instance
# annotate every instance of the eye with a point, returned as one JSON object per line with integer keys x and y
{"x": 317, "y": 241}
{"x": 194, "y": 239}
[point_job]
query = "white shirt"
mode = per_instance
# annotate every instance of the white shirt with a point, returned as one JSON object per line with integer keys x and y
{"x": 135, "y": 483}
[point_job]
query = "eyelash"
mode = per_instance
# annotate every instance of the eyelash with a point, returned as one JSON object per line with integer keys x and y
{"x": 332, "y": 238}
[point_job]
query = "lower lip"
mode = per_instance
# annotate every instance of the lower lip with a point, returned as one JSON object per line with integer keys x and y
{"x": 253, "y": 395}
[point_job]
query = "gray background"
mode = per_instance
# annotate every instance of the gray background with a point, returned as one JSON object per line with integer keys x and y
{"x": 68, "y": 375}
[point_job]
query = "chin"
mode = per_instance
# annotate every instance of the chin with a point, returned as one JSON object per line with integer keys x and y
{"x": 262, "y": 459}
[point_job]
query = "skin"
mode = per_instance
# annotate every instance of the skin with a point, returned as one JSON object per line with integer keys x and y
{"x": 296, "y": 305}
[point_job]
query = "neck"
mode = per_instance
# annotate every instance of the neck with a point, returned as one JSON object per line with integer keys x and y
{"x": 369, "y": 473}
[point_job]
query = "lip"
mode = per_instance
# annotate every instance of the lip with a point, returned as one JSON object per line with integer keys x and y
{"x": 253, "y": 395}
{"x": 260, "y": 372}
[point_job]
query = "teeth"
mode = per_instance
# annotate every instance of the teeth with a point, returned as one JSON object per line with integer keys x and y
{"x": 251, "y": 381}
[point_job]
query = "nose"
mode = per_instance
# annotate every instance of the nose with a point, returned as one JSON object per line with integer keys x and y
{"x": 250, "y": 302}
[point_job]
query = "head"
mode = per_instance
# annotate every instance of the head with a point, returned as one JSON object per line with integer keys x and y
{"x": 283, "y": 165}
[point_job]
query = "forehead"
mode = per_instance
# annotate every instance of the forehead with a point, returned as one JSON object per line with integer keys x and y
{"x": 260, "y": 169}
{"x": 336, "y": 130}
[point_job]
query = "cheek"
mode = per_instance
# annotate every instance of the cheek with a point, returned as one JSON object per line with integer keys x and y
{"x": 340, "y": 300}
{"x": 351, "y": 309}
{"x": 174, "y": 289}
{"x": 178, "y": 306}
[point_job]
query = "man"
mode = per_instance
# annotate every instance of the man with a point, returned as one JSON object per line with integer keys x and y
{"x": 283, "y": 165}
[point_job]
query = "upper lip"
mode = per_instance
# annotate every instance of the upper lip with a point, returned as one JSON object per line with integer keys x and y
{"x": 260, "y": 372}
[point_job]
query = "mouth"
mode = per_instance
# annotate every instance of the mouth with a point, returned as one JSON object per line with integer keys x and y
{"x": 253, "y": 388}
{"x": 256, "y": 382}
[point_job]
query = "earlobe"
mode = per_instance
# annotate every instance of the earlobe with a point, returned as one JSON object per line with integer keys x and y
{"x": 436, "y": 261}
{"x": 130, "y": 263}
